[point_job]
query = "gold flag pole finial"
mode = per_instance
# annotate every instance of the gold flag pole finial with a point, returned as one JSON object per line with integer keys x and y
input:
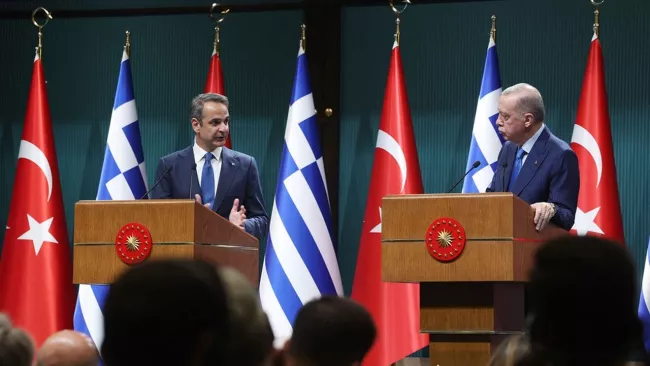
{"x": 303, "y": 37}
{"x": 596, "y": 15}
{"x": 217, "y": 30}
{"x": 40, "y": 27}
{"x": 397, "y": 14}
{"x": 493, "y": 30}
{"x": 127, "y": 45}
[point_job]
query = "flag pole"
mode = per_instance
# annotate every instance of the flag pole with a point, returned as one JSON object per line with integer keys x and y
{"x": 217, "y": 30}
{"x": 397, "y": 14}
{"x": 303, "y": 37}
{"x": 596, "y": 15}
{"x": 493, "y": 30}
{"x": 40, "y": 27}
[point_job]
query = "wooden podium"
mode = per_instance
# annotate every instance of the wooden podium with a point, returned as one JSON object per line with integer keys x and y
{"x": 178, "y": 228}
{"x": 471, "y": 303}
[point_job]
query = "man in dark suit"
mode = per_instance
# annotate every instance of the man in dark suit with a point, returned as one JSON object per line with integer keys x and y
{"x": 533, "y": 164}
{"x": 222, "y": 179}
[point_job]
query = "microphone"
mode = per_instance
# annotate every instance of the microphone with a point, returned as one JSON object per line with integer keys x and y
{"x": 192, "y": 172}
{"x": 158, "y": 181}
{"x": 474, "y": 166}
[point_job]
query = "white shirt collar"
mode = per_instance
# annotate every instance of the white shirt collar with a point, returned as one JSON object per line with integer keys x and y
{"x": 528, "y": 145}
{"x": 199, "y": 153}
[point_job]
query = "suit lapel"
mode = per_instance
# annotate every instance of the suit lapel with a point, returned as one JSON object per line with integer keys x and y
{"x": 533, "y": 162}
{"x": 510, "y": 161}
{"x": 188, "y": 159}
{"x": 228, "y": 167}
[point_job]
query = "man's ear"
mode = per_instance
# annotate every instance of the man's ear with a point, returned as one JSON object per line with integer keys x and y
{"x": 195, "y": 124}
{"x": 528, "y": 119}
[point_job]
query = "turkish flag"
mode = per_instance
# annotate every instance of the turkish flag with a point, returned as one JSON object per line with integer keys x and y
{"x": 214, "y": 83}
{"x": 396, "y": 170}
{"x": 36, "y": 287}
{"x": 599, "y": 210}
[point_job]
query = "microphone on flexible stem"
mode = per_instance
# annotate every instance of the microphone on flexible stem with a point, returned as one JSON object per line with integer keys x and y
{"x": 158, "y": 181}
{"x": 474, "y": 166}
{"x": 192, "y": 172}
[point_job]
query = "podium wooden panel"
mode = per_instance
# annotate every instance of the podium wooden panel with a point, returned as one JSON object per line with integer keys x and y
{"x": 468, "y": 305}
{"x": 178, "y": 228}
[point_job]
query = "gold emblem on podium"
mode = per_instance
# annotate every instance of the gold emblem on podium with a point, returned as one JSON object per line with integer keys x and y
{"x": 445, "y": 239}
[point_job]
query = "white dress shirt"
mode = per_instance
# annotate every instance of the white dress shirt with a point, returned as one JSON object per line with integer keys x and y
{"x": 528, "y": 145}
{"x": 199, "y": 159}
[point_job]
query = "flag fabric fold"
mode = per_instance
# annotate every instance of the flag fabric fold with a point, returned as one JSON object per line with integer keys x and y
{"x": 36, "y": 288}
{"x": 486, "y": 141}
{"x": 300, "y": 262}
{"x": 599, "y": 210}
{"x": 123, "y": 177}
{"x": 396, "y": 170}
{"x": 644, "y": 301}
{"x": 215, "y": 82}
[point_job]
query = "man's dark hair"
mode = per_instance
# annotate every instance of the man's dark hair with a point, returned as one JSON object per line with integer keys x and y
{"x": 332, "y": 331}
{"x": 583, "y": 302}
{"x": 166, "y": 312}
{"x": 196, "y": 109}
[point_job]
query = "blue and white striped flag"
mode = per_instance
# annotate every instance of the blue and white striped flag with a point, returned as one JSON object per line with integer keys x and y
{"x": 123, "y": 177}
{"x": 300, "y": 263}
{"x": 644, "y": 301}
{"x": 486, "y": 139}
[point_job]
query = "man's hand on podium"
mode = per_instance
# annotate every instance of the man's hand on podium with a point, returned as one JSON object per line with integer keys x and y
{"x": 198, "y": 199}
{"x": 544, "y": 211}
{"x": 238, "y": 214}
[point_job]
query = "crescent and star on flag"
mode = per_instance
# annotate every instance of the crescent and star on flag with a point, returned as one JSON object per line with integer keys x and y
{"x": 387, "y": 143}
{"x": 39, "y": 231}
{"x": 585, "y": 222}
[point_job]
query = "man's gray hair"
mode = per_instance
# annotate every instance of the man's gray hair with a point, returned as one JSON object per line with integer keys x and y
{"x": 16, "y": 346}
{"x": 198, "y": 101}
{"x": 530, "y": 100}
{"x": 251, "y": 336}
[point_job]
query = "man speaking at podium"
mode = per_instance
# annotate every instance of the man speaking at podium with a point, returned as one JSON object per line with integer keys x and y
{"x": 224, "y": 180}
{"x": 533, "y": 164}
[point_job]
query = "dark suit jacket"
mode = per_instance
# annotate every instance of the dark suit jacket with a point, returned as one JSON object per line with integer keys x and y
{"x": 549, "y": 174}
{"x": 238, "y": 178}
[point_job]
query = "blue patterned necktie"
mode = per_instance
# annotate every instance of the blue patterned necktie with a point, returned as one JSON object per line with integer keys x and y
{"x": 207, "y": 181}
{"x": 515, "y": 170}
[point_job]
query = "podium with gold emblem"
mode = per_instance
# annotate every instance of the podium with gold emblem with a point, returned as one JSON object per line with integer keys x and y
{"x": 110, "y": 236}
{"x": 471, "y": 254}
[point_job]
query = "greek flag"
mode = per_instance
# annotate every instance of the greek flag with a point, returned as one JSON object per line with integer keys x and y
{"x": 300, "y": 263}
{"x": 123, "y": 177}
{"x": 644, "y": 305}
{"x": 486, "y": 139}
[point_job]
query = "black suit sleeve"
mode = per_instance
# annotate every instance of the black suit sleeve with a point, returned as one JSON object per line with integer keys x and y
{"x": 257, "y": 220}
{"x": 163, "y": 189}
{"x": 564, "y": 188}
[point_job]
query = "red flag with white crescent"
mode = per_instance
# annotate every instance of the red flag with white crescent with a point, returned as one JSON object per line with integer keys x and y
{"x": 396, "y": 170}
{"x": 599, "y": 210}
{"x": 215, "y": 82}
{"x": 36, "y": 289}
